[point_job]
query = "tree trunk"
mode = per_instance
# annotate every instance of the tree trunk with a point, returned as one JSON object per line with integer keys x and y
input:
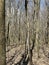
{"x": 28, "y": 35}
{"x": 48, "y": 25}
{"x": 47, "y": 34}
{"x": 36, "y": 19}
{"x": 2, "y": 33}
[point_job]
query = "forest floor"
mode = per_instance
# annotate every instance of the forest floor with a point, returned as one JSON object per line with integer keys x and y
{"x": 43, "y": 56}
{"x": 14, "y": 56}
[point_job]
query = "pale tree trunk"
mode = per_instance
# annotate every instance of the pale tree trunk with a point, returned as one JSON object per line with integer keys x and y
{"x": 28, "y": 44}
{"x": 28, "y": 35}
{"x": 7, "y": 22}
{"x": 2, "y": 33}
{"x": 36, "y": 19}
{"x": 19, "y": 17}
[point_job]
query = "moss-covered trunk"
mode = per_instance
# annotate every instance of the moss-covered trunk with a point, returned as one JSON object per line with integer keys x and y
{"x": 2, "y": 33}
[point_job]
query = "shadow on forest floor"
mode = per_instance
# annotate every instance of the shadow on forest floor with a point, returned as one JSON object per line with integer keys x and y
{"x": 23, "y": 61}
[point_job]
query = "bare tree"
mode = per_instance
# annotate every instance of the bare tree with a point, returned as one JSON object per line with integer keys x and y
{"x": 36, "y": 19}
{"x": 28, "y": 34}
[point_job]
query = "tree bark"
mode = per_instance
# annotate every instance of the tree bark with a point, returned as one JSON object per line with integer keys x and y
{"x": 2, "y": 32}
{"x": 36, "y": 19}
{"x": 47, "y": 30}
{"x": 28, "y": 35}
